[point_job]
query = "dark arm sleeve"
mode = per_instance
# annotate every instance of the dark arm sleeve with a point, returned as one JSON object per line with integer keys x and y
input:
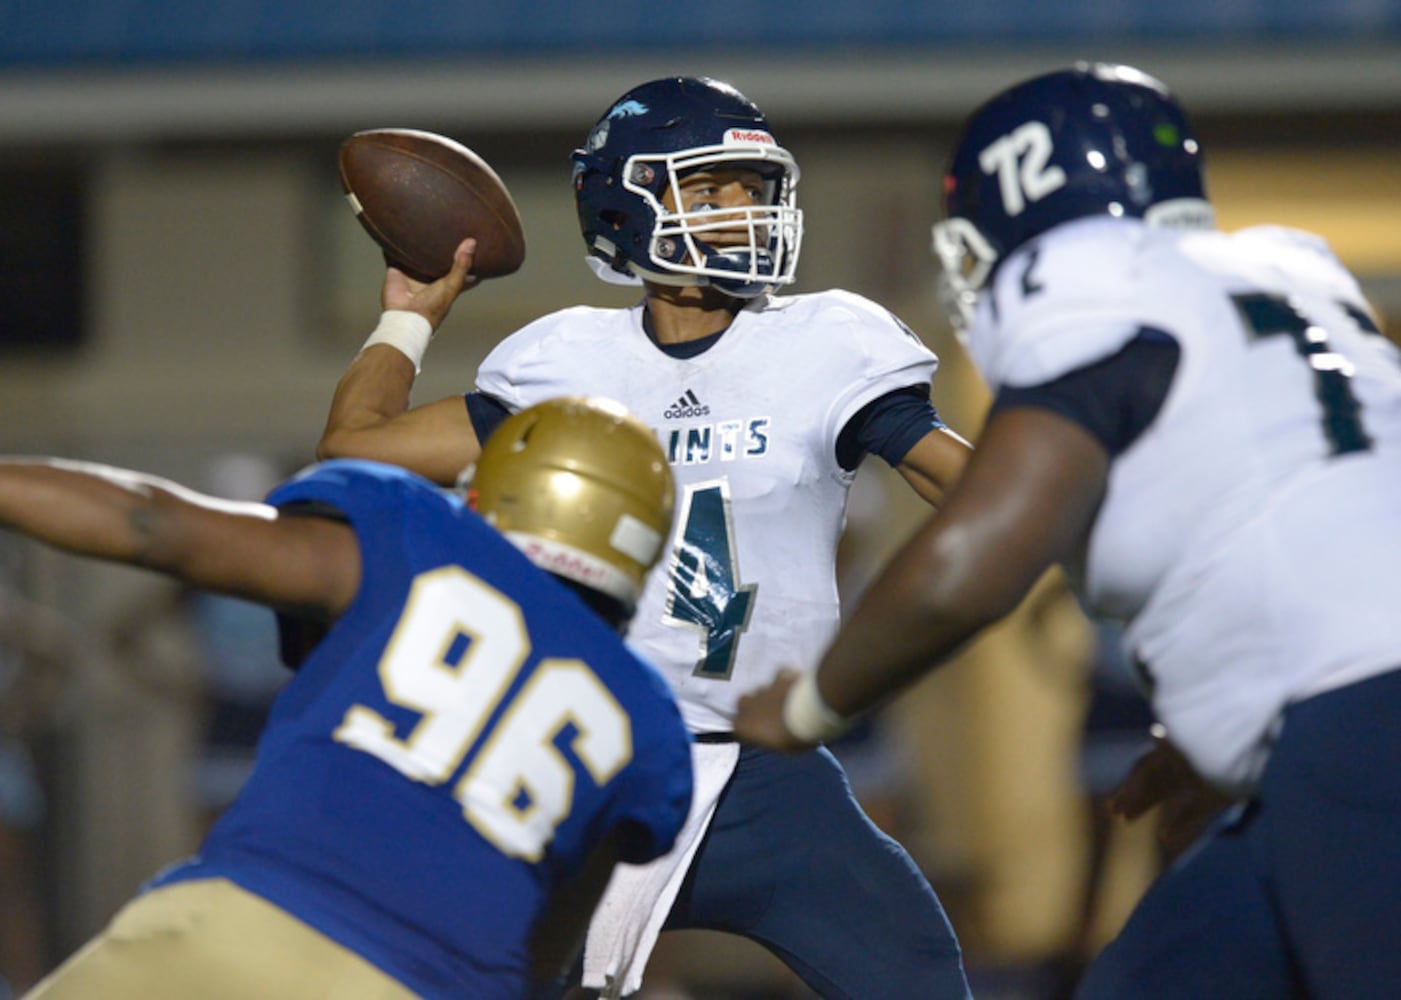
{"x": 486, "y": 413}
{"x": 1115, "y": 399}
{"x": 888, "y": 426}
{"x": 297, "y": 635}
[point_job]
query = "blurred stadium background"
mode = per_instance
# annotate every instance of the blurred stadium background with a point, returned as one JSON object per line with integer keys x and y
{"x": 182, "y": 283}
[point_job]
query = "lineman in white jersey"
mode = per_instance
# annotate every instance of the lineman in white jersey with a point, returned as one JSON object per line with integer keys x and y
{"x": 765, "y": 406}
{"x": 1277, "y": 377}
{"x": 1207, "y": 429}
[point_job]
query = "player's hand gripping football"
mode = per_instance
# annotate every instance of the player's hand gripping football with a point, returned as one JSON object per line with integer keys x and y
{"x": 431, "y": 300}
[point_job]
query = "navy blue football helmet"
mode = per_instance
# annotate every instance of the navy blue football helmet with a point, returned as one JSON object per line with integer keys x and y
{"x": 636, "y": 153}
{"x": 1095, "y": 139}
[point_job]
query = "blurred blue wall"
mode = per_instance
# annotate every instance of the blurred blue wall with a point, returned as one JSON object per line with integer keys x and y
{"x": 75, "y": 33}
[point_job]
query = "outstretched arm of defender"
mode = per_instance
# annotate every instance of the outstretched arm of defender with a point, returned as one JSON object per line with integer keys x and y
{"x": 307, "y": 564}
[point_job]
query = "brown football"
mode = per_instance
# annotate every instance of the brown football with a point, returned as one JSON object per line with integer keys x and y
{"x": 419, "y": 195}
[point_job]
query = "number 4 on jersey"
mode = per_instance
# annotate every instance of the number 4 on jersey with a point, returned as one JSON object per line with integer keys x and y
{"x": 703, "y": 589}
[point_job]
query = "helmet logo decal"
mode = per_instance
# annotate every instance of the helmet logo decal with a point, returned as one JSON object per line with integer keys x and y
{"x": 627, "y": 109}
{"x": 1020, "y": 160}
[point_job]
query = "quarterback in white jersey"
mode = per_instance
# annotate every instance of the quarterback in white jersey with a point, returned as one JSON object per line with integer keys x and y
{"x": 765, "y": 407}
{"x": 752, "y": 439}
{"x": 1205, "y": 428}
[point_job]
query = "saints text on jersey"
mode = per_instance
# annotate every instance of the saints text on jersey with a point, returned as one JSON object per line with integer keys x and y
{"x": 723, "y": 441}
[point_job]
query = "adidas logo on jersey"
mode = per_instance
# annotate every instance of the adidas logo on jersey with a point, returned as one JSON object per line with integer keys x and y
{"x": 687, "y": 406}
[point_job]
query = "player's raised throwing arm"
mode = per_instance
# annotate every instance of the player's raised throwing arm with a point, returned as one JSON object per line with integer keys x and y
{"x": 370, "y": 415}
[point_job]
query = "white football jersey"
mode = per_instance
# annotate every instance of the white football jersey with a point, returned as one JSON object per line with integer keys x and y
{"x": 750, "y": 426}
{"x": 1251, "y": 536}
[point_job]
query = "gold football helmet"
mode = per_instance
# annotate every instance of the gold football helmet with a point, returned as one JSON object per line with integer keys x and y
{"x": 582, "y": 487}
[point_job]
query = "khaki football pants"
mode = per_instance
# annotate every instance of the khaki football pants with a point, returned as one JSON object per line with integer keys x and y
{"x": 210, "y": 940}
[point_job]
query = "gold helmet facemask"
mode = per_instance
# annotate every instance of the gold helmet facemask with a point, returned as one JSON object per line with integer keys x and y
{"x": 580, "y": 486}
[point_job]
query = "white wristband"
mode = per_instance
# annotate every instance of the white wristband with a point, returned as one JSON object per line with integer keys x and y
{"x": 807, "y": 716}
{"x": 405, "y": 331}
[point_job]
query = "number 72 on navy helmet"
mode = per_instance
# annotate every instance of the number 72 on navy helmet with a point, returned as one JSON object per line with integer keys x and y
{"x": 1095, "y": 139}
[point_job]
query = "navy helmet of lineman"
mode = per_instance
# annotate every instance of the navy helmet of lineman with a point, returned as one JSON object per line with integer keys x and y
{"x": 1094, "y": 139}
{"x": 636, "y": 154}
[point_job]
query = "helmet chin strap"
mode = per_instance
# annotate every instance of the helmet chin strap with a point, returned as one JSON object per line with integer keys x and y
{"x": 744, "y": 285}
{"x": 741, "y": 286}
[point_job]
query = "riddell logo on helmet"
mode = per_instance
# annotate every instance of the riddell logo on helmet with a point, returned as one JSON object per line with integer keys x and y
{"x": 748, "y": 137}
{"x": 557, "y": 560}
